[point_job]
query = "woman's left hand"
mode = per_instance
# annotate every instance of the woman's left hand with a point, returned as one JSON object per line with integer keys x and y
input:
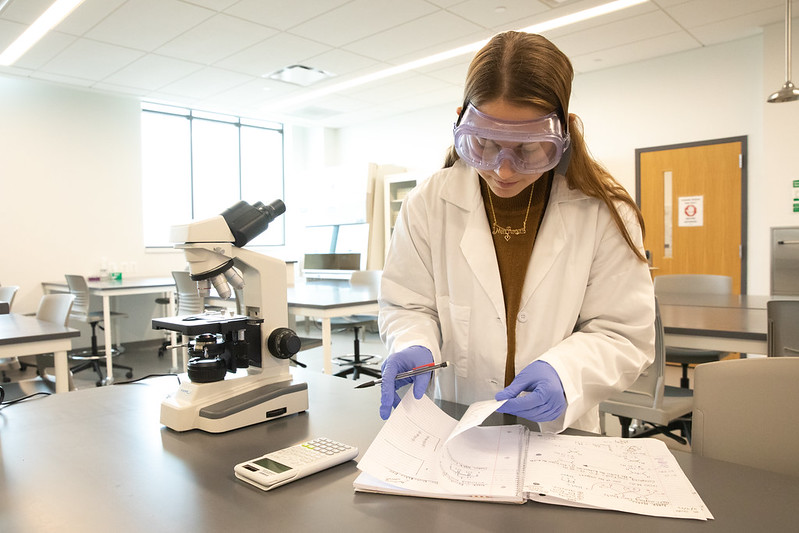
{"x": 546, "y": 399}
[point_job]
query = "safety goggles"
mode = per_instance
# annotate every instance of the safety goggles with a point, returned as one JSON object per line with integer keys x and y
{"x": 530, "y": 146}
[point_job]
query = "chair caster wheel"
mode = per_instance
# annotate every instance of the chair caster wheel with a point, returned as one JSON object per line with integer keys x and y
{"x": 129, "y": 374}
{"x": 98, "y": 383}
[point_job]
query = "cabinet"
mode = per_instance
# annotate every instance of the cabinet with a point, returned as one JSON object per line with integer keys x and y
{"x": 396, "y": 187}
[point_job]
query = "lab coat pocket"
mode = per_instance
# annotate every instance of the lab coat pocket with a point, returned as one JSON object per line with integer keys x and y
{"x": 454, "y": 321}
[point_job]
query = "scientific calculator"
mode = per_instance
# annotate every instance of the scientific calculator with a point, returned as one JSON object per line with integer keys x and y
{"x": 284, "y": 466}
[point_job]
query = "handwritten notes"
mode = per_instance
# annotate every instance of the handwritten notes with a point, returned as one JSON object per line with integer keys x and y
{"x": 421, "y": 451}
{"x": 633, "y": 475}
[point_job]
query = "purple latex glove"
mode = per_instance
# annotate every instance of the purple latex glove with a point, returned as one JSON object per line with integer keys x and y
{"x": 546, "y": 399}
{"x": 402, "y": 361}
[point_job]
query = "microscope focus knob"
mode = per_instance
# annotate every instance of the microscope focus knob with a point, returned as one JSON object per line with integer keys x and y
{"x": 283, "y": 343}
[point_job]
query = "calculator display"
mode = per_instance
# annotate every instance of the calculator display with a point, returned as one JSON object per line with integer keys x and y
{"x": 274, "y": 466}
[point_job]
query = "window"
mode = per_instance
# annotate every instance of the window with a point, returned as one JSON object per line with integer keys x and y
{"x": 196, "y": 164}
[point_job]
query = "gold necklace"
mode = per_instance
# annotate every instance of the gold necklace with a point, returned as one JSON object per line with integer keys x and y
{"x": 496, "y": 229}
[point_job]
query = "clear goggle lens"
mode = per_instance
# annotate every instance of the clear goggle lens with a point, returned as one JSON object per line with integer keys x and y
{"x": 530, "y": 146}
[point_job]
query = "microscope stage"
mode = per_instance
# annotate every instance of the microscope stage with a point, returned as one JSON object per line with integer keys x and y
{"x": 204, "y": 323}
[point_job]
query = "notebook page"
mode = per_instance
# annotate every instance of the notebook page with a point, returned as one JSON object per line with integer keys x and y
{"x": 632, "y": 475}
{"x": 412, "y": 451}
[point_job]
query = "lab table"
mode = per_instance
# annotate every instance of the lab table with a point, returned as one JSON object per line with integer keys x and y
{"x": 99, "y": 460}
{"x": 730, "y": 323}
{"x": 27, "y": 335}
{"x": 125, "y": 287}
{"x": 326, "y": 299}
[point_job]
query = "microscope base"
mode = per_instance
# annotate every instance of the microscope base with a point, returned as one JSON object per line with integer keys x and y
{"x": 232, "y": 404}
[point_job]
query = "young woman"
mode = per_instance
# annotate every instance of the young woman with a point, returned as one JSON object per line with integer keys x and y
{"x": 520, "y": 262}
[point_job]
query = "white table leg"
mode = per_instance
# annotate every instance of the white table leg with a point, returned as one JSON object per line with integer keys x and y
{"x": 61, "y": 371}
{"x": 109, "y": 365}
{"x": 327, "y": 346}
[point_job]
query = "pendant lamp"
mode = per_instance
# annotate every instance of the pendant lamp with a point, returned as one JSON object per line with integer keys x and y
{"x": 789, "y": 92}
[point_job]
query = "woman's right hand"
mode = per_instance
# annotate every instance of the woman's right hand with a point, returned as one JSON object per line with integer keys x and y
{"x": 403, "y": 361}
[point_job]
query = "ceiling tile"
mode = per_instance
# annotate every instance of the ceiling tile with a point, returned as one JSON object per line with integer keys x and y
{"x": 703, "y": 12}
{"x": 87, "y": 15}
{"x": 216, "y": 5}
{"x": 273, "y": 54}
{"x": 9, "y": 31}
{"x": 215, "y": 38}
{"x": 361, "y": 18}
{"x": 614, "y": 34}
{"x": 404, "y": 39}
{"x": 282, "y": 14}
{"x": 206, "y": 82}
{"x": 738, "y": 27}
{"x": 27, "y": 11}
{"x": 152, "y": 72}
{"x": 90, "y": 60}
{"x": 632, "y": 52}
{"x": 493, "y": 13}
{"x": 148, "y": 24}
{"x": 50, "y": 46}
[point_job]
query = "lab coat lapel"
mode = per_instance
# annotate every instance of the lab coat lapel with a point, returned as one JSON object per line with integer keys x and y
{"x": 476, "y": 244}
{"x": 478, "y": 249}
{"x": 550, "y": 240}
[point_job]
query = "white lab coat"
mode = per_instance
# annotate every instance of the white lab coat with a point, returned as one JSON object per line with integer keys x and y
{"x": 587, "y": 306}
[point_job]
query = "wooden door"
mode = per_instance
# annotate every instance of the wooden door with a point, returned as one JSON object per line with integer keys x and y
{"x": 691, "y": 197}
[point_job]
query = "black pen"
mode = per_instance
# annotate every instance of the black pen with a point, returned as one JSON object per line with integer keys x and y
{"x": 402, "y": 375}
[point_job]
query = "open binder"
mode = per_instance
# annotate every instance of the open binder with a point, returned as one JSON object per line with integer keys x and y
{"x": 421, "y": 451}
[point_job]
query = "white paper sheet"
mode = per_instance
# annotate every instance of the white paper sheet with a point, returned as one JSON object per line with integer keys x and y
{"x": 633, "y": 475}
{"x": 420, "y": 448}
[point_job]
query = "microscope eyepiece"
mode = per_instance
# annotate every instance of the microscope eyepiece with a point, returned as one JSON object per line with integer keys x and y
{"x": 248, "y": 221}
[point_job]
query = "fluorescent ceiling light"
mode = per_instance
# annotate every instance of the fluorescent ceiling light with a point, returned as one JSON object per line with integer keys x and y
{"x": 558, "y": 22}
{"x": 46, "y": 22}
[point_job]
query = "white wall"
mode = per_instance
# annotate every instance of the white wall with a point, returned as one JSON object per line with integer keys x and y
{"x": 709, "y": 93}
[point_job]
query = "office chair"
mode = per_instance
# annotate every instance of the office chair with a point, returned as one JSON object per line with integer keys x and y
{"x": 692, "y": 284}
{"x": 745, "y": 412}
{"x": 649, "y": 400}
{"x": 187, "y": 298}
{"x": 90, "y": 359}
{"x": 53, "y": 308}
{"x": 783, "y": 328}
{"x": 7, "y": 293}
{"x": 356, "y": 362}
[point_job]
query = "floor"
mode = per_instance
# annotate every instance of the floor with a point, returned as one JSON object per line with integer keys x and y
{"x": 143, "y": 357}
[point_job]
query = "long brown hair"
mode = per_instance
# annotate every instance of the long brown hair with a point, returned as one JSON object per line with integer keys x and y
{"x": 527, "y": 69}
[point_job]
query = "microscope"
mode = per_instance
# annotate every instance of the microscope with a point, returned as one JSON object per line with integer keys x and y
{"x": 238, "y": 367}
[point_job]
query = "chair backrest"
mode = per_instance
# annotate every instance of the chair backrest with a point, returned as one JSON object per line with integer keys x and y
{"x": 745, "y": 412}
{"x": 783, "y": 328}
{"x": 693, "y": 283}
{"x": 368, "y": 278}
{"x": 55, "y": 308}
{"x": 80, "y": 289}
{"x": 189, "y": 300}
{"x": 7, "y": 294}
{"x": 651, "y": 382}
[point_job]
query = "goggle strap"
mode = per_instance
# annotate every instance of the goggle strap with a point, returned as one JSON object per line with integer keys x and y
{"x": 565, "y": 159}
